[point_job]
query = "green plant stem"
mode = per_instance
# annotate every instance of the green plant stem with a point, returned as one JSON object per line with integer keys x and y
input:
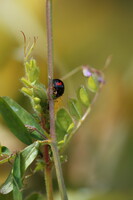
{"x": 48, "y": 177}
{"x": 71, "y": 73}
{"x": 51, "y": 101}
{"x": 50, "y": 67}
{"x": 48, "y": 167}
{"x": 48, "y": 180}
{"x": 59, "y": 172}
{"x": 48, "y": 173}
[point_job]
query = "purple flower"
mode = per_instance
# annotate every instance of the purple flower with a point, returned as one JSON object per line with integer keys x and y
{"x": 101, "y": 80}
{"x": 86, "y": 71}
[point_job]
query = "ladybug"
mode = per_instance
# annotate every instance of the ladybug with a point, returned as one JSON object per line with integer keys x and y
{"x": 58, "y": 88}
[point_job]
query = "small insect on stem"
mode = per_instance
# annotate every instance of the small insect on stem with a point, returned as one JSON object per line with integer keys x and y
{"x": 58, "y": 88}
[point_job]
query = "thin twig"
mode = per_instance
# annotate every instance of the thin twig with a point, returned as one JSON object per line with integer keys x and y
{"x": 71, "y": 73}
{"x": 51, "y": 101}
{"x": 48, "y": 174}
{"x": 50, "y": 68}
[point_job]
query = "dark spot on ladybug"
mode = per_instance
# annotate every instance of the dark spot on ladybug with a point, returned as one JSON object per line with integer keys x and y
{"x": 58, "y": 88}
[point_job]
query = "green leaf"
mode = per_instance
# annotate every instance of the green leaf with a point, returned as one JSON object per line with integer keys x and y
{"x": 35, "y": 196}
{"x": 84, "y": 97}
{"x": 17, "y": 178}
{"x": 4, "y": 150}
{"x": 16, "y": 118}
{"x": 21, "y": 163}
{"x": 64, "y": 124}
{"x": 92, "y": 84}
{"x": 60, "y": 133}
{"x": 8, "y": 185}
{"x": 4, "y": 159}
{"x": 75, "y": 108}
{"x": 63, "y": 118}
{"x": 28, "y": 155}
{"x": 5, "y": 154}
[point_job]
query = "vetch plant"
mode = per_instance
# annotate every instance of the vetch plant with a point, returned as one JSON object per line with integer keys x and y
{"x": 46, "y": 135}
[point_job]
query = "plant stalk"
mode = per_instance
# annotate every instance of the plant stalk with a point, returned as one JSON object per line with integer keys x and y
{"x": 59, "y": 172}
{"x": 48, "y": 167}
{"x": 48, "y": 179}
{"x": 50, "y": 67}
{"x": 51, "y": 101}
{"x": 48, "y": 173}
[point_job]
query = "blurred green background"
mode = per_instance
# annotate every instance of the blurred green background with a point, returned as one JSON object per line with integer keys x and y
{"x": 100, "y": 156}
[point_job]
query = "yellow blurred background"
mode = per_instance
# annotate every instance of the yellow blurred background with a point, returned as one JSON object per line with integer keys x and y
{"x": 100, "y": 156}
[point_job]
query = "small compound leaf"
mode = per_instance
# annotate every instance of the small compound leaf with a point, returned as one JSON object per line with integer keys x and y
{"x": 92, "y": 84}
{"x": 35, "y": 196}
{"x": 63, "y": 118}
{"x": 75, "y": 108}
{"x": 8, "y": 185}
{"x": 28, "y": 155}
{"x": 16, "y": 118}
{"x": 60, "y": 133}
{"x": 64, "y": 124}
{"x": 84, "y": 97}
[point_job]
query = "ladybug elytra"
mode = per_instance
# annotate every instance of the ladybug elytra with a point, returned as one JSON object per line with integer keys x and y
{"x": 58, "y": 88}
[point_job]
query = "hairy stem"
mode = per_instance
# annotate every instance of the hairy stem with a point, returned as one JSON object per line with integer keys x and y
{"x": 48, "y": 167}
{"x": 50, "y": 67}
{"x": 59, "y": 172}
{"x": 51, "y": 101}
{"x": 48, "y": 173}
